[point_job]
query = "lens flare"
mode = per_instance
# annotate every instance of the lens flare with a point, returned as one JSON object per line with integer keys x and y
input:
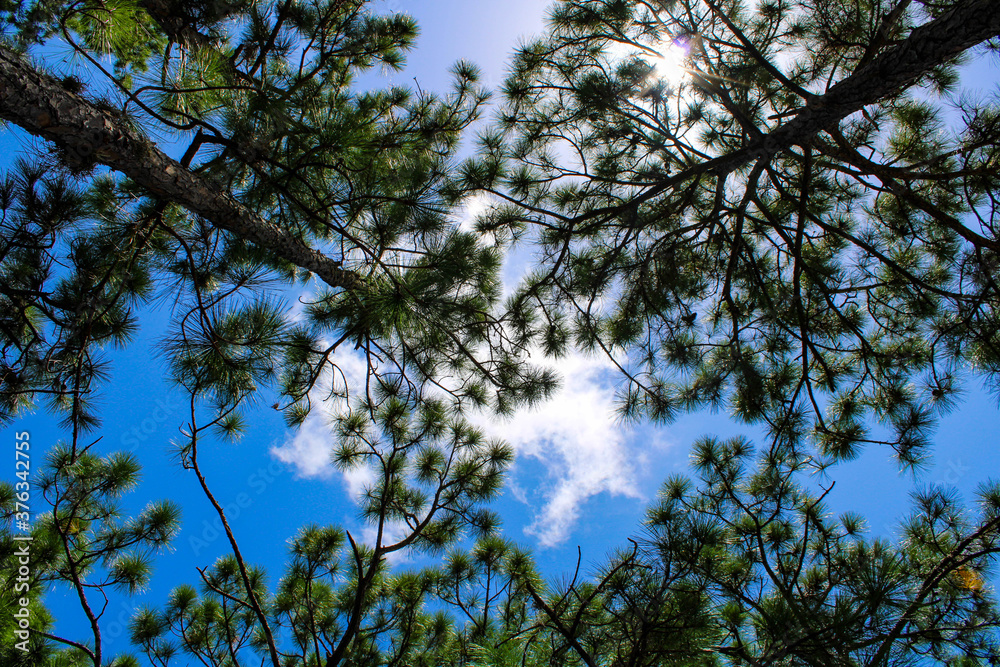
{"x": 670, "y": 66}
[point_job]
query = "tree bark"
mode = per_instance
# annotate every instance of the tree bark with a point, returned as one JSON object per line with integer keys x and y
{"x": 174, "y": 26}
{"x": 91, "y": 135}
{"x": 934, "y": 43}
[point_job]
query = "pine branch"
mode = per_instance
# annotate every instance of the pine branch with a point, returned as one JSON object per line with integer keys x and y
{"x": 567, "y": 633}
{"x": 91, "y": 135}
{"x": 926, "y": 47}
{"x": 955, "y": 559}
{"x": 174, "y": 25}
{"x": 252, "y": 598}
{"x": 933, "y": 44}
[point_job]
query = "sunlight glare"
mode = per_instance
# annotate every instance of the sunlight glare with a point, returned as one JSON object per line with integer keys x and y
{"x": 670, "y": 66}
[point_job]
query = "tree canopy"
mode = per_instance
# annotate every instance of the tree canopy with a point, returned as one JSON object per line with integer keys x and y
{"x": 789, "y": 230}
{"x": 762, "y": 207}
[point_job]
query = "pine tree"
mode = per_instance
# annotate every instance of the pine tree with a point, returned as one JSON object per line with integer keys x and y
{"x": 84, "y": 543}
{"x": 284, "y": 172}
{"x": 748, "y": 566}
{"x": 338, "y": 602}
{"x": 788, "y": 228}
{"x": 275, "y": 169}
{"x": 758, "y": 207}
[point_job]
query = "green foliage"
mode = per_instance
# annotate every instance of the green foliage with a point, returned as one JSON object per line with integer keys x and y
{"x": 85, "y": 542}
{"x": 17, "y": 587}
{"x": 338, "y": 600}
{"x": 832, "y": 283}
{"x": 747, "y": 566}
{"x": 788, "y": 581}
{"x": 431, "y": 471}
{"x": 73, "y": 269}
{"x": 831, "y": 286}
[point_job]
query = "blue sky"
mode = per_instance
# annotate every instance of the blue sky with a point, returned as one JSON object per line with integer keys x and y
{"x": 580, "y": 478}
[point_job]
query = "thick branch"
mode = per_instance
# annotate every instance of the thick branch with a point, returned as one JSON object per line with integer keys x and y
{"x": 935, "y": 43}
{"x": 174, "y": 25}
{"x": 92, "y": 135}
{"x": 851, "y": 155}
{"x": 964, "y": 26}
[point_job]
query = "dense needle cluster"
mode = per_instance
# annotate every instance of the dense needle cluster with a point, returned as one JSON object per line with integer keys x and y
{"x": 787, "y": 227}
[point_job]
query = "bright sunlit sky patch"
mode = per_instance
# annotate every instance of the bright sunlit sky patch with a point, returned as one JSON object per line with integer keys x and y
{"x": 671, "y": 64}
{"x": 580, "y": 477}
{"x": 668, "y": 58}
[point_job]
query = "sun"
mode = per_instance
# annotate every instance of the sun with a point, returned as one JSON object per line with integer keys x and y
{"x": 670, "y": 66}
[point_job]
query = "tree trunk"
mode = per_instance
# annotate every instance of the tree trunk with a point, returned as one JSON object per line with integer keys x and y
{"x": 92, "y": 135}
{"x": 934, "y": 43}
{"x": 965, "y": 25}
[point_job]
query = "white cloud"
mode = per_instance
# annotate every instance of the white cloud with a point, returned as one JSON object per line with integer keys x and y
{"x": 472, "y": 207}
{"x": 308, "y": 449}
{"x": 575, "y": 436}
{"x": 357, "y": 480}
